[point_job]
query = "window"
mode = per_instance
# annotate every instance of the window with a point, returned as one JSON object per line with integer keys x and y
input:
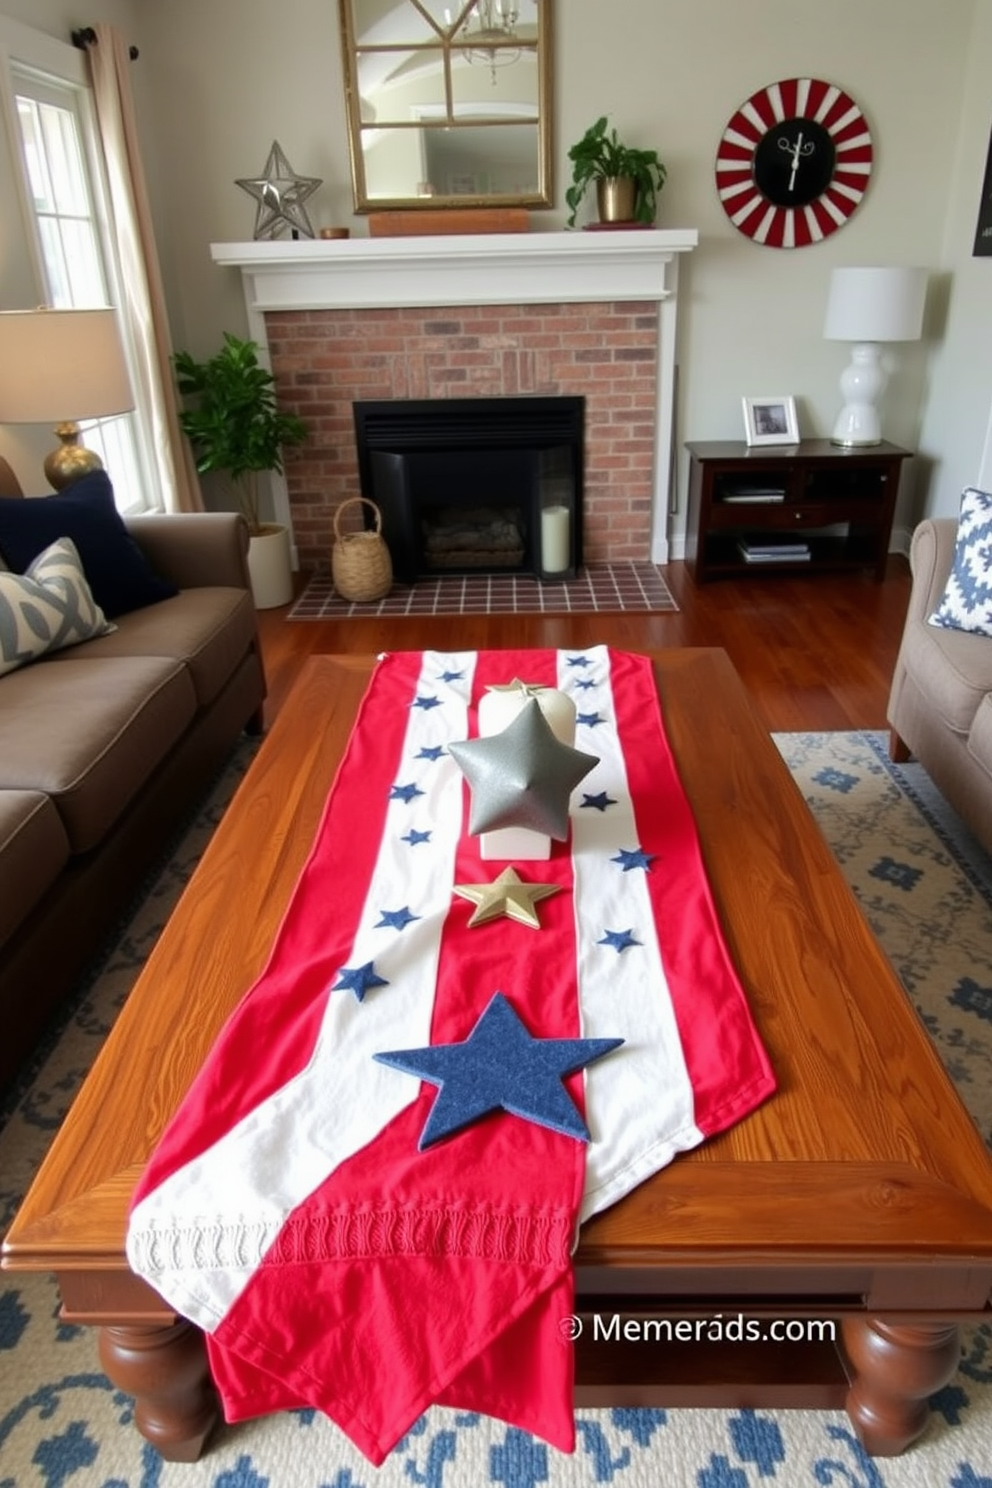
{"x": 75, "y": 252}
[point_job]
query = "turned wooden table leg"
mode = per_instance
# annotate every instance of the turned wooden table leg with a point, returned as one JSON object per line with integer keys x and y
{"x": 893, "y": 1370}
{"x": 166, "y": 1370}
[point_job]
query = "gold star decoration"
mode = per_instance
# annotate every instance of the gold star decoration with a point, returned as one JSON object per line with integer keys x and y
{"x": 279, "y": 195}
{"x": 506, "y": 895}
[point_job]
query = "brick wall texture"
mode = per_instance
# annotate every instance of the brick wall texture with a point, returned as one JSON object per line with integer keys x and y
{"x": 324, "y": 360}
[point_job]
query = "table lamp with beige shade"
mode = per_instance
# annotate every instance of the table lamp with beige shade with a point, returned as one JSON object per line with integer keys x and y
{"x": 57, "y": 366}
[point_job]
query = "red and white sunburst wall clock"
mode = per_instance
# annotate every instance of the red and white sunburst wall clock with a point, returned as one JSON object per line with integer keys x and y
{"x": 794, "y": 163}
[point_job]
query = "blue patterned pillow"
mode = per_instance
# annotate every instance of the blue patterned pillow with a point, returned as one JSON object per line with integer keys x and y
{"x": 966, "y": 603}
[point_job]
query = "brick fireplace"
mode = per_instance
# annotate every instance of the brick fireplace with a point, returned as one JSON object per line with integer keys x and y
{"x": 545, "y": 314}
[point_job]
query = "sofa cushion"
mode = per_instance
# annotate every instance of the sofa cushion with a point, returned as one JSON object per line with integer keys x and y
{"x": 47, "y": 608}
{"x": 117, "y": 571}
{"x": 33, "y": 851}
{"x": 980, "y": 737}
{"x": 90, "y": 732}
{"x": 951, "y": 668}
{"x": 209, "y": 629}
{"x": 966, "y": 603}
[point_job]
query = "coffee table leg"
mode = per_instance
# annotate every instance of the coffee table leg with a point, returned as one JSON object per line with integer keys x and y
{"x": 166, "y": 1370}
{"x": 893, "y": 1368}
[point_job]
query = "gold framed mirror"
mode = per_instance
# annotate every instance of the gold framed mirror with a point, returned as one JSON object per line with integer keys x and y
{"x": 449, "y": 102}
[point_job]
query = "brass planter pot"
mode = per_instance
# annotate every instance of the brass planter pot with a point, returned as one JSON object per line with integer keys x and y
{"x": 616, "y": 197}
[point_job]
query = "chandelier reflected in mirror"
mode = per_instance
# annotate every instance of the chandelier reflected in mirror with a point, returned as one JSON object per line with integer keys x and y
{"x": 488, "y": 27}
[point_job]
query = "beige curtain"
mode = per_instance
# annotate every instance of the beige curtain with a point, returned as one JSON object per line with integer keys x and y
{"x": 144, "y": 301}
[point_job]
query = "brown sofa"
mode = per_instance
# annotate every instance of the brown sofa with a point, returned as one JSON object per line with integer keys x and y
{"x": 105, "y": 747}
{"x": 940, "y": 705}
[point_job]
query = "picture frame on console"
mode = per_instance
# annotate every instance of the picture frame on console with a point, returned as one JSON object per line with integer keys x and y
{"x": 770, "y": 420}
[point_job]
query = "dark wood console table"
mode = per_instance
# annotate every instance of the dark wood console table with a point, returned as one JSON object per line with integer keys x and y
{"x": 837, "y": 503}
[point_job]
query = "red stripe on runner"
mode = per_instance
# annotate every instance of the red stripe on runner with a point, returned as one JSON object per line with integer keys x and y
{"x": 728, "y": 1068}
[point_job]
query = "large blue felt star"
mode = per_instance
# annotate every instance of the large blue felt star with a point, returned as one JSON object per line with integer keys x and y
{"x": 430, "y": 752}
{"x": 598, "y": 802}
{"x": 395, "y": 919}
{"x": 578, "y": 661}
{"x": 404, "y": 792}
{"x": 633, "y": 857}
{"x": 500, "y": 1067}
{"x": 620, "y": 940}
{"x": 451, "y": 676}
{"x": 590, "y": 719}
{"x": 415, "y": 838}
{"x": 426, "y": 703}
{"x": 358, "y": 979}
{"x": 585, "y": 683}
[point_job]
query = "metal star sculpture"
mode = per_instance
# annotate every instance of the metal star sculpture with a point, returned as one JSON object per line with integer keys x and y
{"x": 500, "y": 1067}
{"x": 280, "y": 193}
{"x": 523, "y": 776}
{"x": 506, "y": 895}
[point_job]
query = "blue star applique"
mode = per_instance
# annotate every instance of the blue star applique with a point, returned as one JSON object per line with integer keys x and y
{"x": 584, "y": 683}
{"x": 598, "y": 802}
{"x": 452, "y": 676}
{"x": 631, "y": 857}
{"x": 578, "y": 661}
{"x": 404, "y": 792}
{"x": 414, "y": 838}
{"x": 500, "y": 1067}
{"x": 590, "y": 719}
{"x": 358, "y": 979}
{"x": 395, "y": 919}
{"x": 620, "y": 940}
{"x": 430, "y": 752}
{"x": 427, "y": 703}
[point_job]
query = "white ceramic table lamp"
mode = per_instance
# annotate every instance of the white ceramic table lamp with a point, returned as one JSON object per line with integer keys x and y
{"x": 57, "y": 366}
{"x": 870, "y": 306}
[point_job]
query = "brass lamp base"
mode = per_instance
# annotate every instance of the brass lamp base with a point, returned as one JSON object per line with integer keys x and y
{"x": 71, "y": 460}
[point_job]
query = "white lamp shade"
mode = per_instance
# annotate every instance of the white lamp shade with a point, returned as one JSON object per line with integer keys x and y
{"x": 60, "y": 365}
{"x": 876, "y": 304}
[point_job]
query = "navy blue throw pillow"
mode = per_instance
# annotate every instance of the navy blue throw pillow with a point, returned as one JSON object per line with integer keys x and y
{"x": 116, "y": 569}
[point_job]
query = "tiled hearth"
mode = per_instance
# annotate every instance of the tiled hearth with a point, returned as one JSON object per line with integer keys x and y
{"x": 585, "y": 314}
{"x": 602, "y": 588}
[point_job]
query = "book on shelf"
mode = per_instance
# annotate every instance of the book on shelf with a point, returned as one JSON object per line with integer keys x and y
{"x": 754, "y": 495}
{"x": 772, "y": 552}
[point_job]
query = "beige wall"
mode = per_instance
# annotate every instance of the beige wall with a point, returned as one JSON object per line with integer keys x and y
{"x": 220, "y": 79}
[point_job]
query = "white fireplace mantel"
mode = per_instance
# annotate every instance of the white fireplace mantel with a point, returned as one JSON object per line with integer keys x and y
{"x": 486, "y": 269}
{"x": 461, "y": 269}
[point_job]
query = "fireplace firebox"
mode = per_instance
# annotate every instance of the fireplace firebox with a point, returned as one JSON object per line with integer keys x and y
{"x": 475, "y": 485}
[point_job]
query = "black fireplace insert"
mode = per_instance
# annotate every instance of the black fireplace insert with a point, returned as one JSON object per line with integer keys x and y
{"x": 475, "y": 485}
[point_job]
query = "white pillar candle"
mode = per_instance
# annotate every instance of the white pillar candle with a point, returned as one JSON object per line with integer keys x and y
{"x": 497, "y": 710}
{"x": 555, "y": 532}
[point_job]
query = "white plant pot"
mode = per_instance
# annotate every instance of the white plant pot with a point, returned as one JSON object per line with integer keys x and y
{"x": 270, "y": 568}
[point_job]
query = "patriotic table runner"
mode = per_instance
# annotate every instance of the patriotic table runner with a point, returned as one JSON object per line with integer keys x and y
{"x": 289, "y": 1210}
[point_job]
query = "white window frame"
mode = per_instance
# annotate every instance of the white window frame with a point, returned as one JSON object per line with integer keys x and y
{"x": 40, "y": 66}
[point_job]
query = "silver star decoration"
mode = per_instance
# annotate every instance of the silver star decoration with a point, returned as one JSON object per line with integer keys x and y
{"x": 523, "y": 776}
{"x": 527, "y": 689}
{"x": 506, "y": 895}
{"x": 280, "y": 193}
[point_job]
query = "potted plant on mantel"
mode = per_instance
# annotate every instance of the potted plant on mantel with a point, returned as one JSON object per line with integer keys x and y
{"x": 235, "y": 427}
{"x": 627, "y": 180}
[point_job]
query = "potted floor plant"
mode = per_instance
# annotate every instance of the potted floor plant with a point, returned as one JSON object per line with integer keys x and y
{"x": 234, "y": 426}
{"x": 627, "y": 180}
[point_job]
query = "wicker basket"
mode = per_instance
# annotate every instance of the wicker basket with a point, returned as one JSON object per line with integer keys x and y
{"x": 360, "y": 563}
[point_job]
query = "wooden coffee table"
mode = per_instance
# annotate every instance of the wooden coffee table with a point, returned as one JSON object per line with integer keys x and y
{"x": 858, "y": 1200}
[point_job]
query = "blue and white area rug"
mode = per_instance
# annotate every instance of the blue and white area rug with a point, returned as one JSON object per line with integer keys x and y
{"x": 926, "y": 890}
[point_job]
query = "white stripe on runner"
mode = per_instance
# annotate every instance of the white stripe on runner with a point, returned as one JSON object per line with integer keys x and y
{"x": 200, "y": 1234}
{"x": 639, "y": 1107}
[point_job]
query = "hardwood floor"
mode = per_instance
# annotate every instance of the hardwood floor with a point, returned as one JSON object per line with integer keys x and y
{"x": 815, "y": 651}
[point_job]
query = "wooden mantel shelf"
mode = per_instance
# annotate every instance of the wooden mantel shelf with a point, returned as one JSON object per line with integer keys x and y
{"x": 471, "y": 269}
